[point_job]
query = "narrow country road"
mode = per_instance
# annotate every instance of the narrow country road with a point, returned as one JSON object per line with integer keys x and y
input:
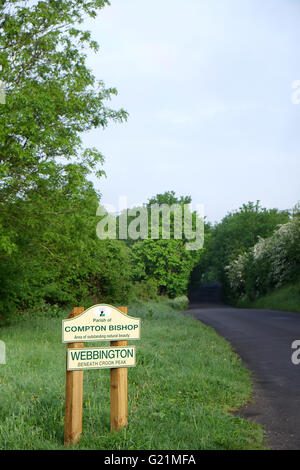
{"x": 263, "y": 340}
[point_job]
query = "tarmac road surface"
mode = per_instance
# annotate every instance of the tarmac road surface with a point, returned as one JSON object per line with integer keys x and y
{"x": 263, "y": 340}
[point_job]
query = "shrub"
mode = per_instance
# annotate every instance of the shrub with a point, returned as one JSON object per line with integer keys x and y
{"x": 271, "y": 263}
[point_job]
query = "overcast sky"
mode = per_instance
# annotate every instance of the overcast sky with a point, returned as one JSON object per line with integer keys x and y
{"x": 207, "y": 85}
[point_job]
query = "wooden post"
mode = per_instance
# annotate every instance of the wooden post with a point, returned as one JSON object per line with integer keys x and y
{"x": 118, "y": 391}
{"x": 74, "y": 395}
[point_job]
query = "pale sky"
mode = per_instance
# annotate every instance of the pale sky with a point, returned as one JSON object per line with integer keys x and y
{"x": 207, "y": 85}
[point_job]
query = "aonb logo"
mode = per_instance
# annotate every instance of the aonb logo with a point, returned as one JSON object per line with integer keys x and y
{"x": 102, "y": 312}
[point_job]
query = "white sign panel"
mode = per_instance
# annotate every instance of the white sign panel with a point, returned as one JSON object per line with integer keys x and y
{"x": 100, "y": 358}
{"x": 100, "y": 323}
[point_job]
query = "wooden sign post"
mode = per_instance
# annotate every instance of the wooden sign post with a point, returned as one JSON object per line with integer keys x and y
{"x": 98, "y": 323}
{"x": 74, "y": 395}
{"x": 118, "y": 391}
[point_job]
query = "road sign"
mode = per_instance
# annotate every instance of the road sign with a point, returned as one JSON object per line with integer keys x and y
{"x": 100, "y": 323}
{"x": 100, "y": 358}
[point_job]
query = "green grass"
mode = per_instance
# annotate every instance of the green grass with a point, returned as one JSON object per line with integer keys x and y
{"x": 186, "y": 382}
{"x": 284, "y": 298}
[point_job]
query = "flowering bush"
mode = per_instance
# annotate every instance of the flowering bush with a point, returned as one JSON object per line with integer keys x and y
{"x": 272, "y": 262}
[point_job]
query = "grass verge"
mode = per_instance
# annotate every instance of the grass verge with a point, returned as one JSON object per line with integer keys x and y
{"x": 285, "y": 298}
{"x": 186, "y": 382}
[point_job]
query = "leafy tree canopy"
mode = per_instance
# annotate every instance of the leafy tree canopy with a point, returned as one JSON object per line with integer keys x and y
{"x": 238, "y": 231}
{"x": 51, "y": 98}
{"x": 48, "y": 245}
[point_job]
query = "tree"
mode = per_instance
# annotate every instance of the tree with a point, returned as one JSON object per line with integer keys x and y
{"x": 167, "y": 263}
{"x": 271, "y": 263}
{"x": 170, "y": 198}
{"x": 51, "y": 98}
{"x": 237, "y": 232}
{"x": 48, "y": 245}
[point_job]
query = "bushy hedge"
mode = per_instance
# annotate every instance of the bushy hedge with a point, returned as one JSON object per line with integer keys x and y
{"x": 270, "y": 263}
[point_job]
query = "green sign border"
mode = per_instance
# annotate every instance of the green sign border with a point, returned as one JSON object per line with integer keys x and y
{"x": 99, "y": 347}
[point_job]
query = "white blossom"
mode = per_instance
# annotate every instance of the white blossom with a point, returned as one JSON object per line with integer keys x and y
{"x": 272, "y": 260}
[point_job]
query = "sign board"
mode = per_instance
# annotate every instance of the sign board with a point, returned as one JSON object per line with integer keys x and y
{"x": 100, "y": 358}
{"x": 100, "y": 323}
